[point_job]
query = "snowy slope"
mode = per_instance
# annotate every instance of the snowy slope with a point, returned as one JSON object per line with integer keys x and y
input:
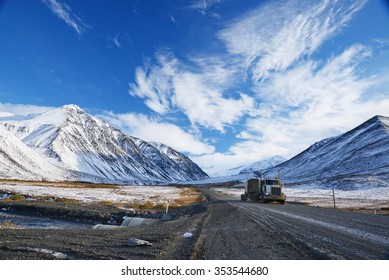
{"x": 74, "y": 140}
{"x": 17, "y": 161}
{"x": 178, "y": 162}
{"x": 263, "y": 165}
{"x": 357, "y": 157}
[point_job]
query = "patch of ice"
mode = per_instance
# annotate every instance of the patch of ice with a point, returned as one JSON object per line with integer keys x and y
{"x": 134, "y": 242}
{"x": 187, "y": 234}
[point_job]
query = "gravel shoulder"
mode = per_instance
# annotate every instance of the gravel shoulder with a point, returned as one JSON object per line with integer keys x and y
{"x": 87, "y": 243}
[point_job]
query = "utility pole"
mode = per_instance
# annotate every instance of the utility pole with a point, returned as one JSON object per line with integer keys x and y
{"x": 167, "y": 206}
{"x": 333, "y": 195}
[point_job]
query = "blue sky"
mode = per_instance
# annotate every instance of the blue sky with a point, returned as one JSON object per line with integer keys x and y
{"x": 228, "y": 82}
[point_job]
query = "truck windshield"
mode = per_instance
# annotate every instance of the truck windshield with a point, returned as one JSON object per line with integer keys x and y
{"x": 272, "y": 182}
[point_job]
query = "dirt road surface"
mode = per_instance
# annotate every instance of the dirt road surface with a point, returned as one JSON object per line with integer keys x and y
{"x": 222, "y": 228}
{"x": 244, "y": 230}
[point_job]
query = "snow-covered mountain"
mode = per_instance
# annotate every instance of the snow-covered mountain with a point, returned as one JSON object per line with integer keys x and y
{"x": 17, "y": 161}
{"x": 245, "y": 169}
{"x": 73, "y": 140}
{"x": 262, "y": 165}
{"x": 355, "y": 158}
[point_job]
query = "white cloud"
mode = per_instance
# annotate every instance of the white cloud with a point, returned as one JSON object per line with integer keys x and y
{"x": 168, "y": 85}
{"x": 316, "y": 102}
{"x": 205, "y": 105}
{"x": 274, "y": 36}
{"x": 23, "y": 109}
{"x": 154, "y": 83}
{"x": 307, "y": 83}
{"x": 143, "y": 127}
{"x": 64, "y": 12}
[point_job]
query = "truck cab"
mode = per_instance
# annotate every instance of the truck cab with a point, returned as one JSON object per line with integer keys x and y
{"x": 264, "y": 190}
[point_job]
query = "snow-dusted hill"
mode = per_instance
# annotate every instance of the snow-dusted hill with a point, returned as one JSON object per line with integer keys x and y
{"x": 17, "y": 161}
{"x": 76, "y": 141}
{"x": 355, "y": 158}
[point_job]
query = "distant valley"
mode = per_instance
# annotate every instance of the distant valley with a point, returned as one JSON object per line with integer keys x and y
{"x": 68, "y": 144}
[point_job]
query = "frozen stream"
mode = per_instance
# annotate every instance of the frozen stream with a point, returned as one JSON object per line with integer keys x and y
{"x": 39, "y": 222}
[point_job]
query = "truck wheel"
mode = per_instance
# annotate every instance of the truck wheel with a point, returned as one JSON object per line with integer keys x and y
{"x": 243, "y": 197}
{"x": 256, "y": 197}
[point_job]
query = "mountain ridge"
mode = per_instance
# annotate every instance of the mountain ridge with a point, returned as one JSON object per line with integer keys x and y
{"x": 361, "y": 151}
{"x": 73, "y": 140}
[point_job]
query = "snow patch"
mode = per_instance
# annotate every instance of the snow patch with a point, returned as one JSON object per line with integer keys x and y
{"x": 117, "y": 194}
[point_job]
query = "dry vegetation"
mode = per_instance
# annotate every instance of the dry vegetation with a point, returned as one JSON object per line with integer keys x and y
{"x": 155, "y": 201}
{"x": 188, "y": 196}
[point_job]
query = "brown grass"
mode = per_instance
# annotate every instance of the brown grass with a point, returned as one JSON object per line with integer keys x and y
{"x": 106, "y": 203}
{"x": 188, "y": 196}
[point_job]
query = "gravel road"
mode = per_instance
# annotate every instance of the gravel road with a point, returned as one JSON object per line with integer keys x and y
{"x": 221, "y": 228}
{"x": 240, "y": 230}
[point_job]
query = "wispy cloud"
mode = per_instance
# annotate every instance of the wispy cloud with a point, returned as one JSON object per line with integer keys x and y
{"x": 313, "y": 102}
{"x": 170, "y": 85}
{"x": 116, "y": 41}
{"x": 148, "y": 129}
{"x": 173, "y": 19}
{"x": 274, "y": 36}
{"x": 203, "y": 7}
{"x": 23, "y": 109}
{"x": 64, "y": 12}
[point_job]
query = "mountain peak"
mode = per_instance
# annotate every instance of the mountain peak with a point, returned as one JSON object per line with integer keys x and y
{"x": 71, "y": 108}
{"x": 382, "y": 119}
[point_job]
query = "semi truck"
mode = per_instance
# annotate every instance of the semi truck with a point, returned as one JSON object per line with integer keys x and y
{"x": 264, "y": 190}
